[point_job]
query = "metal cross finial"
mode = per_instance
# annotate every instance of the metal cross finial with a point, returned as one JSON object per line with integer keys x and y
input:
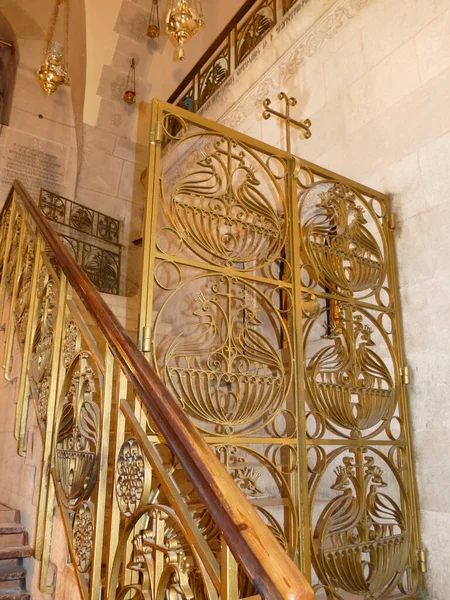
{"x": 305, "y": 125}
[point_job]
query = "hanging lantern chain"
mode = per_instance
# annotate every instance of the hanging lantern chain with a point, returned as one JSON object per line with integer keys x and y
{"x": 53, "y": 70}
{"x": 130, "y": 93}
{"x": 154, "y": 30}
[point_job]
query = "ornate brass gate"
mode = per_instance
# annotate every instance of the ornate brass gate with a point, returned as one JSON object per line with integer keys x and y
{"x": 270, "y": 310}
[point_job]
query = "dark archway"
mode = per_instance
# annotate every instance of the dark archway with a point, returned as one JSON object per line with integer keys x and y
{"x": 9, "y": 59}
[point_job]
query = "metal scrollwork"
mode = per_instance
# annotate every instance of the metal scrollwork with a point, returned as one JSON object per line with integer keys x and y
{"x": 24, "y": 291}
{"x": 13, "y": 251}
{"x": 71, "y": 343}
{"x": 77, "y": 433}
{"x": 360, "y": 540}
{"x": 43, "y": 392}
{"x": 162, "y": 561}
{"x": 349, "y": 382}
{"x": 225, "y": 367}
{"x": 133, "y": 478}
{"x": 344, "y": 252}
{"x": 225, "y": 206}
{"x": 42, "y": 344}
{"x": 83, "y": 534}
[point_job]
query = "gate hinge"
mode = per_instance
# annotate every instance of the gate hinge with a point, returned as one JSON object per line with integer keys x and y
{"x": 405, "y": 375}
{"x": 156, "y": 135}
{"x": 392, "y": 220}
{"x": 146, "y": 339}
{"x": 423, "y": 561}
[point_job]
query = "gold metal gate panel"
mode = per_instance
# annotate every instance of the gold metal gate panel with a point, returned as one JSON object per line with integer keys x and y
{"x": 270, "y": 310}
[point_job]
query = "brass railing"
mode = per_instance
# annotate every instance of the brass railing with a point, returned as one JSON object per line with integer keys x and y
{"x": 230, "y": 50}
{"x": 143, "y": 518}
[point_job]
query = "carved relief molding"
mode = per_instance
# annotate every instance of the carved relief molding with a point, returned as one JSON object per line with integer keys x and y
{"x": 333, "y": 21}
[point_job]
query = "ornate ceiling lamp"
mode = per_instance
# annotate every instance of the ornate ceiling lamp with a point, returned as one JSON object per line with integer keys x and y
{"x": 53, "y": 71}
{"x": 153, "y": 30}
{"x": 183, "y": 21}
{"x": 130, "y": 93}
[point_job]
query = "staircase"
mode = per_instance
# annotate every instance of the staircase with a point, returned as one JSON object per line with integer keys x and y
{"x": 13, "y": 548}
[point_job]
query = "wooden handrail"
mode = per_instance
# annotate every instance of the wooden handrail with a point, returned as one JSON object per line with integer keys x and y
{"x": 266, "y": 564}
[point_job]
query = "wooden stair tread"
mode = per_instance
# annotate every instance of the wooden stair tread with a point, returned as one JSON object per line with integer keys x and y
{"x": 14, "y": 594}
{"x": 15, "y": 552}
{"x": 11, "y": 573}
{"x": 8, "y": 528}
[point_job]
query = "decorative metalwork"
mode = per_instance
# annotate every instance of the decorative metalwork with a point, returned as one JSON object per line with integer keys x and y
{"x": 43, "y": 392}
{"x": 11, "y": 263}
{"x": 223, "y": 367}
{"x": 223, "y": 323}
{"x": 100, "y": 265}
{"x": 133, "y": 478}
{"x": 247, "y": 31}
{"x": 214, "y": 74}
{"x": 77, "y": 434}
{"x": 83, "y": 533}
{"x": 81, "y": 218}
{"x": 129, "y": 95}
{"x": 224, "y": 206}
{"x": 77, "y": 226}
{"x": 71, "y": 344}
{"x": 288, "y": 120}
{"x": 42, "y": 345}
{"x": 348, "y": 381}
{"x": 270, "y": 309}
{"x": 23, "y": 295}
{"x": 162, "y": 559}
{"x": 255, "y": 27}
{"x": 360, "y": 541}
{"x": 341, "y": 249}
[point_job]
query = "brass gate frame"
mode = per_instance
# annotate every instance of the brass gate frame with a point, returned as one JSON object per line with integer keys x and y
{"x": 299, "y": 177}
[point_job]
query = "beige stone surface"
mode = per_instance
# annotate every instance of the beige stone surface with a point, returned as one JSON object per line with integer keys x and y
{"x": 100, "y": 172}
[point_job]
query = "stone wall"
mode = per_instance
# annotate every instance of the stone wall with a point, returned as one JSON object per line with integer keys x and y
{"x": 374, "y": 78}
{"x": 39, "y": 145}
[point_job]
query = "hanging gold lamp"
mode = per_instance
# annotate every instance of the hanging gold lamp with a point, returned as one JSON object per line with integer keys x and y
{"x": 130, "y": 93}
{"x": 183, "y": 21}
{"x": 153, "y": 30}
{"x": 53, "y": 70}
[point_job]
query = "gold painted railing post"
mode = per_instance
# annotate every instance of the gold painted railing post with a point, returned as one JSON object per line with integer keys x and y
{"x": 47, "y": 493}
{"x": 303, "y": 541}
{"x": 11, "y": 327}
{"x": 405, "y": 409}
{"x": 228, "y": 574}
{"x": 99, "y": 519}
{"x": 7, "y": 248}
{"x": 122, "y": 387}
{"x": 24, "y": 384}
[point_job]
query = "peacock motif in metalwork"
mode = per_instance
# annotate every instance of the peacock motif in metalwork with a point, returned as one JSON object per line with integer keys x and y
{"x": 223, "y": 368}
{"x": 360, "y": 540}
{"x": 349, "y": 382}
{"x": 340, "y": 246}
{"x": 225, "y": 208}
